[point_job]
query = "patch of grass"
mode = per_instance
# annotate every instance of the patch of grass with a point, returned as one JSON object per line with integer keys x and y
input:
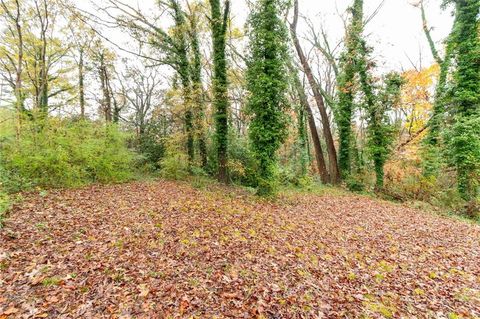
{"x": 51, "y": 281}
{"x": 3, "y": 265}
{"x": 437, "y": 210}
{"x": 314, "y": 188}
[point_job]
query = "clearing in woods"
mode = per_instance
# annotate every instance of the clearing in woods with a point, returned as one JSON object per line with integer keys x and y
{"x": 167, "y": 250}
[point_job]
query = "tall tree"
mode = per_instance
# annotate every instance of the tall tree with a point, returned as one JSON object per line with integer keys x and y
{"x": 14, "y": 16}
{"x": 171, "y": 45}
{"x": 465, "y": 133}
{"x": 103, "y": 57}
{"x": 314, "y": 85}
{"x": 42, "y": 14}
{"x": 431, "y": 153}
{"x": 317, "y": 145}
{"x": 219, "y": 26}
{"x": 346, "y": 86}
{"x": 197, "y": 86}
{"x": 267, "y": 84}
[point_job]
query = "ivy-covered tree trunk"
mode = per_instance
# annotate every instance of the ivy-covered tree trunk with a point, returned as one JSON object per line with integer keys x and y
{"x": 466, "y": 98}
{"x": 431, "y": 151}
{"x": 327, "y": 132}
{"x": 267, "y": 84}
{"x": 346, "y": 88}
{"x": 198, "y": 92}
{"x": 183, "y": 69}
{"x": 219, "y": 23}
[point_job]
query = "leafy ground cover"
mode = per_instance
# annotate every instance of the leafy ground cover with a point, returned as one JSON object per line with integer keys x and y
{"x": 166, "y": 250}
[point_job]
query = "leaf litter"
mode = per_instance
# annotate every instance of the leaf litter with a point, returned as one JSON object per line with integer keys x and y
{"x": 166, "y": 250}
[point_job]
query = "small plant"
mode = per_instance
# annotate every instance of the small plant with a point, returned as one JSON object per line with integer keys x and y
{"x": 51, "y": 281}
{"x": 5, "y": 203}
{"x": 175, "y": 164}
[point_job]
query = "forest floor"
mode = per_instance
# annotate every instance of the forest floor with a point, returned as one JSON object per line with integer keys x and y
{"x": 166, "y": 250}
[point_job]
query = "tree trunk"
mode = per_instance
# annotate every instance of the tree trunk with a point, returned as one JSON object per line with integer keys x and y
{"x": 220, "y": 92}
{"x": 184, "y": 72}
{"x": 18, "y": 80}
{"x": 106, "y": 101}
{"x": 81, "y": 87}
{"x": 345, "y": 82}
{"x": 198, "y": 92}
{"x": 321, "y": 166}
{"x": 332, "y": 154}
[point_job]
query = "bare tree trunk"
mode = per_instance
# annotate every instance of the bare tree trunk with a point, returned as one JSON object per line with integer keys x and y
{"x": 43, "y": 18}
{"x": 106, "y": 101}
{"x": 332, "y": 154}
{"x": 16, "y": 18}
{"x": 321, "y": 166}
{"x": 81, "y": 86}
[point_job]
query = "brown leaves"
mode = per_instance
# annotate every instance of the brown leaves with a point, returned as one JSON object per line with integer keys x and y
{"x": 154, "y": 250}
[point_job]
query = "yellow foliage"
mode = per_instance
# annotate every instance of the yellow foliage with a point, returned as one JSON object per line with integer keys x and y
{"x": 417, "y": 98}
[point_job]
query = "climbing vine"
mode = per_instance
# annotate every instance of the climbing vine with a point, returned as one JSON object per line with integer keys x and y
{"x": 267, "y": 84}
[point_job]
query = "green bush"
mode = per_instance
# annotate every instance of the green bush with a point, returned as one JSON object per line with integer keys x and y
{"x": 64, "y": 153}
{"x": 151, "y": 144}
{"x": 175, "y": 163}
{"x": 4, "y": 206}
{"x": 241, "y": 164}
{"x": 463, "y": 153}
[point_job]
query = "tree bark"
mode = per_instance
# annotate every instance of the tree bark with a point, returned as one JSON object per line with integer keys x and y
{"x": 106, "y": 101}
{"x": 320, "y": 160}
{"x": 332, "y": 154}
{"x": 198, "y": 91}
{"x": 81, "y": 86}
{"x": 220, "y": 89}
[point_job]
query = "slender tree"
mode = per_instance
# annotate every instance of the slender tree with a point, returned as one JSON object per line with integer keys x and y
{"x": 431, "y": 152}
{"x": 346, "y": 86}
{"x": 465, "y": 134}
{"x": 15, "y": 17}
{"x": 197, "y": 88}
{"x": 314, "y": 85}
{"x": 267, "y": 84}
{"x": 219, "y": 24}
{"x": 303, "y": 100}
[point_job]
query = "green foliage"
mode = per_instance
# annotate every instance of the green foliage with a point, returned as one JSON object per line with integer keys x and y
{"x": 463, "y": 152}
{"x": 219, "y": 23}
{"x": 355, "y": 184}
{"x": 241, "y": 162}
{"x": 151, "y": 144}
{"x": 463, "y": 138}
{"x": 62, "y": 153}
{"x": 347, "y": 89}
{"x": 175, "y": 164}
{"x": 466, "y": 92}
{"x": 267, "y": 83}
{"x": 380, "y": 131}
{"x": 5, "y": 203}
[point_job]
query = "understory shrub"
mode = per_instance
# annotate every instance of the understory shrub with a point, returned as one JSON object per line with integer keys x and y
{"x": 4, "y": 206}
{"x": 174, "y": 165}
{"x": 65, "y": 153}
{"x": 151, "y": 144}
{"x": 241, "y": 164}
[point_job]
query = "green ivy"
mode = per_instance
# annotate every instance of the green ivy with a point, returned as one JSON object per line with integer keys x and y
{"x": 267, "y": 84}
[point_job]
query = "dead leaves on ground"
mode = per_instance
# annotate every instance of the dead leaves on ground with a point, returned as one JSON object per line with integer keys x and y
{"x": 165, "y": 250}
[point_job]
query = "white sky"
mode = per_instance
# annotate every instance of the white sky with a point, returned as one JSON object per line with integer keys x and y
{"x": 395, "y": 32}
